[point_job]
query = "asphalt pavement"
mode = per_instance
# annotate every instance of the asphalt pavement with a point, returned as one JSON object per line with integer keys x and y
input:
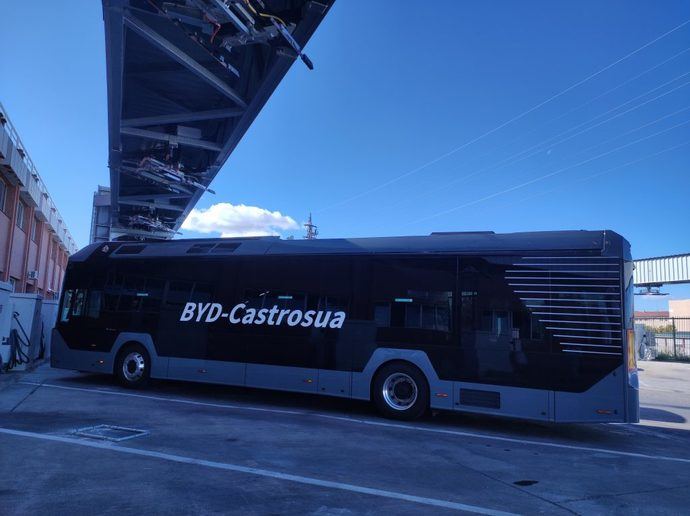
{"x": 217, "y": 450}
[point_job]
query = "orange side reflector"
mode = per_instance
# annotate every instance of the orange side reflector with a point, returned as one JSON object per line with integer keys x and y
{"x": 632, "y": 359}
{"x": 441, "y": 395}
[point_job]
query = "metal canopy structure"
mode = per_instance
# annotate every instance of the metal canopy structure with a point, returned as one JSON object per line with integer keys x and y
{"x": 662, "y": 270}
{"x": 186, "y": 78}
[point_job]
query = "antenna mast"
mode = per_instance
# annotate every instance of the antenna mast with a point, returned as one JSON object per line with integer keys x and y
{"x": 312, "y": 230}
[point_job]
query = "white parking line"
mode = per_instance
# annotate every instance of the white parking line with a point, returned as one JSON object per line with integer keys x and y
{"x": 370, "y": 422}
{"x": 648, "y": 388}
{"x": 165, "y": 398}
{"x": 261, "y": 472}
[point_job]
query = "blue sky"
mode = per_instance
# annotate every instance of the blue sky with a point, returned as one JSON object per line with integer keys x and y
{"x": 395, "y": 88}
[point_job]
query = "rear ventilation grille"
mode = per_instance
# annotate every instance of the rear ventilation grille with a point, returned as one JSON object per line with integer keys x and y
{"x": 221, "y": 248}
{"x": 576, "y": 298}
{"x": 130, "y": 249}
{"x": 225, "y": 247}
{"x": 477, "y": 398}
{"x": 200, "y": 248}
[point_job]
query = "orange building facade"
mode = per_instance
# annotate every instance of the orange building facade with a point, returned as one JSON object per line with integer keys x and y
{"x": 34, "y": 240}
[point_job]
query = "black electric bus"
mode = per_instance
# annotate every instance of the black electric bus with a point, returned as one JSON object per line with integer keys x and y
{"x": 528, "y": 325}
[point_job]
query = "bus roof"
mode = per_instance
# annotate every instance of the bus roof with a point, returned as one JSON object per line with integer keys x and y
{"x": 605, "y": 242}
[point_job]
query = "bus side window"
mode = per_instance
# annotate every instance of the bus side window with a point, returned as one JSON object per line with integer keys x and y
{"x": 334, "y": 304}
{"x": 66, "y": 305}
{"x": 129, "y": 301}
{"x": 93, "y": 308}
{"x": 267, "y": 298}
{"x": 178, "y": 293}
{"x": 79, "y": 302}
{"x": 492, "y": 313}
{"x": 382, "y": 314}
{"x": 202, "y": 292}
{"x": 152, "y": 295}
{"x": 412, "y": 299}
{"x": 428, "y": 310}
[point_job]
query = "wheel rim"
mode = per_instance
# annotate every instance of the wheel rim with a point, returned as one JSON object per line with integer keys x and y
{"x": 399, "y": 391}
{"x": 134, "y": 366}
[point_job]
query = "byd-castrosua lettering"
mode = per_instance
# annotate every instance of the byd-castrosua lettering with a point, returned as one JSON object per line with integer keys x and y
{"x": 240, "y": 314}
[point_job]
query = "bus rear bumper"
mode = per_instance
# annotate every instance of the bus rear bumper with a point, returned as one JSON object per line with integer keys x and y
{"x": 632, "y": 412}
{"x": 62, "y": 357}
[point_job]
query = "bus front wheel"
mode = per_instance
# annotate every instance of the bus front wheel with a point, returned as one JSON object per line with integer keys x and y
{"x": 133, "y": 366}
{"x": 400, "y": 391}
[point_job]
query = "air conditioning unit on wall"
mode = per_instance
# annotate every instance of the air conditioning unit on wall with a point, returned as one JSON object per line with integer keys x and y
{"x": 33, "y": 274}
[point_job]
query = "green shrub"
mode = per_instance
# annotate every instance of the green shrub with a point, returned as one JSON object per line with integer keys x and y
{"x": 667, "y": 357}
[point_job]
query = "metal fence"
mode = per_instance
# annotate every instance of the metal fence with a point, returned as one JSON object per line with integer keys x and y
{"x": 663, "y": 337}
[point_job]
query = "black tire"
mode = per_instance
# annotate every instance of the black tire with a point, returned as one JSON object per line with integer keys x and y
{"x": 133, "y": 366}
{"x": 400, "y": 391}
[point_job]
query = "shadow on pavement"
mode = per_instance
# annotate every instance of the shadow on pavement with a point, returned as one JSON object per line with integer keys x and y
{"x": 582, "y": 434}
{"x": 664, "y": 416}
{"x": 618, "y": 436}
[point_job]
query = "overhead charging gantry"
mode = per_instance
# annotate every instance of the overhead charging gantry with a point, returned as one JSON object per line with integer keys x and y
{"x": 186, "y": 78}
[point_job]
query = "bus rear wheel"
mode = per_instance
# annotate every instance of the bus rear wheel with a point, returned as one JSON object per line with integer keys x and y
{"x": 400, "y": 391}
{"x": 133, "y": 366}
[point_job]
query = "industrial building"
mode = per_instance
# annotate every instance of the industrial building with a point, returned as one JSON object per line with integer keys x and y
{"x": 100, "y": 216}
{"x": 34, "y": 240}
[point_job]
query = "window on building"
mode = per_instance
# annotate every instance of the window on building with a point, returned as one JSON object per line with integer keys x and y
{"x": 34, "y": 229}
{"x": 20, "y": 215}
{"x": 102, "y": 232}
{"x": 3, "y": 194}
{"x": 103, "y": 215}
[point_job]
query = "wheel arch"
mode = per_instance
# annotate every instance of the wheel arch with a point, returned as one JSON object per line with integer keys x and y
{"x": 392, "y": 362}
{"x": 362, "y": 381}
{"x": 159, "y": 365}
{"x": 126, "y": 345}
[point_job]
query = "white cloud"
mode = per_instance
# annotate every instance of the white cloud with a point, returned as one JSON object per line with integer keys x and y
{"x": 239, "y": 220}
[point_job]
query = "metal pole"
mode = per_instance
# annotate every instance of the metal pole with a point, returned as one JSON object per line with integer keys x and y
{"x": 675, "y": 349}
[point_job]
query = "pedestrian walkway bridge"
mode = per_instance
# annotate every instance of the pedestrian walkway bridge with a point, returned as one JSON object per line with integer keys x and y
{"x": 662, "y": 270}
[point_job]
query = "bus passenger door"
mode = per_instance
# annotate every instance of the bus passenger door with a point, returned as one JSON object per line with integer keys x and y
{"x": 82, "y": 321}
{"x": 279, "y": 355}
{"x": 200, "y": 346}
{"x": 225, "y": 344}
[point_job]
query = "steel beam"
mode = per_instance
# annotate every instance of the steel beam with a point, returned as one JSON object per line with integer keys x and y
{"x": 152, "y": 204}
{"x": 115, "y": 35}
{"x": 232, "y": 16}
{"x": 162, "y": 195}
{"x": 175, "y": 118}
{"x": 185, "y": 60}
{"x": 123, "y": 230}
{"x": 171, "y": 138}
